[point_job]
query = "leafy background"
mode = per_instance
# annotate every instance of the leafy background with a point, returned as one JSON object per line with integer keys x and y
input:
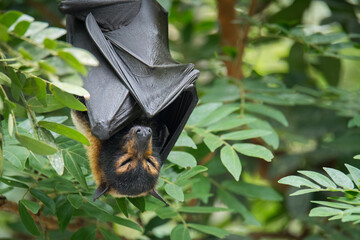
{"x": 279, "y": 110}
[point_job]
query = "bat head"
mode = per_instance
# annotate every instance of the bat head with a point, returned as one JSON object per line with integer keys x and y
{"x": 130, "y": 166}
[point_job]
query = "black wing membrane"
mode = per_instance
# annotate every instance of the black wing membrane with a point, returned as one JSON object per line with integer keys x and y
{"x": 137, "y": 75}
{"x": 110, "y": 105}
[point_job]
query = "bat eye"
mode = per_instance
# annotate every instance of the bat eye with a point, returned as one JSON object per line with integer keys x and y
{"x": 126, "y": 162}
{"x": 151, "y": 162}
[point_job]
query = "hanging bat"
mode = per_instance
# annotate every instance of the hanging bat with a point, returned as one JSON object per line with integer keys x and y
{"x": 140, "y": 98}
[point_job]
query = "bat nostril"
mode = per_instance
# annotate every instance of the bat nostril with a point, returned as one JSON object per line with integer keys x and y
{"x": 138, "y": 131}
{"x": 148, "y": 130}
{"x": 142, "y": 131}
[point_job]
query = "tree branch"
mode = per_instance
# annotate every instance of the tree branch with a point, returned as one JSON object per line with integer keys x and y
{"x": 233, "y": 34}
{"x": 49, "y": 222}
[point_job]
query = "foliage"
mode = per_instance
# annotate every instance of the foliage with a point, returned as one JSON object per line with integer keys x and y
{"x": 295, "y": 109}
{"x": 344, "y": 208}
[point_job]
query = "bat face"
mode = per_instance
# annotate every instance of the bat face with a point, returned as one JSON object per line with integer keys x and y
{"x": 128, "y": 163}
{"x": 131, "y": 167}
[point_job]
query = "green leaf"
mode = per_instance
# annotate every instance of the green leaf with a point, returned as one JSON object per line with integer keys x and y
{"x": 51, "y": 104}
{"x": 355, "y": 174}
{"x": 50, "y": 44}
{"x": 67, "y": 99}
{"x": 32, "y": 206}
{"x": 38, "y": 87}
{"x": 218, "y": 114}
{"x": 212, "y": 141}
{"x": 202, "y": 209}
{"x": 72, "y": 61}
{"x": 252, "y": 190}
{"x": 65, "y": 131}
{"x": 175, "y": 191}
{"x": 350, "y": 218}
{"x": 46, "y": 66}
{"x": 272, "y": 139}
{"x": 217, "y": 232}
{"x": 202, "y": 188}
{"x": 221, "y": 90}
{"x": 71, "y": 88}
{"x": 83, "y": 56}
{"x": 298, "y": 182}
{"x": 64, "y": 212}
{"x": 121, "y": 202}
{"x": 319, "y": 178}
{"x": 9, "y": 18}
{"x": 108, "y": 235}
{"x": 254, "y": 150}
{"x": 4, "y": 36}
{"x": 324, "y": 212}
{"x": 56, "y": 160}
{"x": 201, "y": 112}
{"x": 35, "y": 145}
{"x": 138, "y": 202}
{"x": 11, "y": 124}
{"x": 352, "y": 210}
{"x": 339, "y": 178}
{"x": 180, "y": 232}
{"x": 231, "y": 161}
{"x": 245, "y": 134}
{"x": 21, "y": 27}
{"x": 282, "y": 98}
{"x": 304, "y": 191}
{"x": 267, "y": 111}
{"x": 5, "y": 80}
{"x": 35, "y": 27}
{"x": 182, "y": 159}
{"x": 357, "y": 157}
{"x": 16, "y": 155}
{"x": 166, "y": 212}
{"x": 123, "y": 221}
{"x": 320, "y": 38}
{"x": 13, "y": 183}
{"x": 230, "y": 122}
{"x": 181, "y": 178}
{"x": 27, "y": 220}
{"x": 50, "y": 33}
{"x": 185, "y": 141}
{"x": 72, "y": 166}
{"x": 334, "y": 204}
{"x": 88, "y": 233}
{"x": 45, "y": 199}
{"x": 75, "y": 200}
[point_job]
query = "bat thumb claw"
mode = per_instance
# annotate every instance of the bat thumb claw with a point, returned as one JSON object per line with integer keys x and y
{"x": 102, "y": 189}
{"x": 155, "y": 194}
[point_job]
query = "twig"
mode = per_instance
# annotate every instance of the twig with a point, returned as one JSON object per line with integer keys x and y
{"x": 49, "y": 222}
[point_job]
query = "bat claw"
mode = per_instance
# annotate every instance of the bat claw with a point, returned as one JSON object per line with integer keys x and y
{"x": 155, "y": 194}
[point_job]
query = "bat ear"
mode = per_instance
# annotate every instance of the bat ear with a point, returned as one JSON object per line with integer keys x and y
{"x": 156, "y": 195}
{"x": 102, "y": 189}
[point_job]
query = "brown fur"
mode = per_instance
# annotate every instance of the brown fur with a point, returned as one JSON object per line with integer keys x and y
{"x": 137, "y": 157}
{"x": 129, "y": 148}
{"x": 93, "y": 150}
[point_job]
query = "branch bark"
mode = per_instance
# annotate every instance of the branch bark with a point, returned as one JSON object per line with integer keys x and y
{"x": 234, "y": 34}
{"x": 49, "y": 222}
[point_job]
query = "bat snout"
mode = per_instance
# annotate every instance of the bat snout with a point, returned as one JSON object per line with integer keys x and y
{"x": 143, "y": 132}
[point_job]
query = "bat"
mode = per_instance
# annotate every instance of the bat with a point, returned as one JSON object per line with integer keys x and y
{"x": 140, "y": 98}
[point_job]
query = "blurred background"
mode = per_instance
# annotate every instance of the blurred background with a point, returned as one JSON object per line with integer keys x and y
{"x": 298, "y": 57}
